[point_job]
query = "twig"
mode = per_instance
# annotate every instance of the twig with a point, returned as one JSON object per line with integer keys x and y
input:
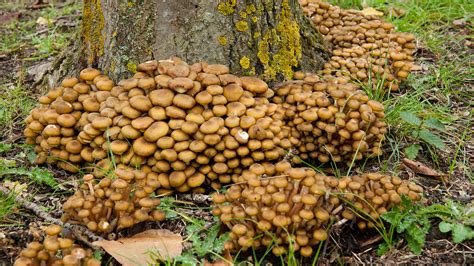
{"x": 77, "y": 230}
{"x": 195, "y": 198}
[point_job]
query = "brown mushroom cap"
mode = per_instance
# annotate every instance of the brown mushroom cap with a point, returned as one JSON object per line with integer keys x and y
{"x": 254, "y": 85}
{"x": 88, "y": 74}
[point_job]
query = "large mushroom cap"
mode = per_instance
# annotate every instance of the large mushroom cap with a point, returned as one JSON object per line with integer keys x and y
{"x": 254, "y": 84}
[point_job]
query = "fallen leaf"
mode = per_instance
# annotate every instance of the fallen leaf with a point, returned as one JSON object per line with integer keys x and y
{"x": 144, "y": 248}
{"x": 459, "y": 22}
{"x": 368, "y": 11}
{"x": 396, "y": 12}
{"x": 422, "y": 169}
{"x": 44, "y": 21}
{"x": 15, "y": 186}
{"x": 416, "y": 67}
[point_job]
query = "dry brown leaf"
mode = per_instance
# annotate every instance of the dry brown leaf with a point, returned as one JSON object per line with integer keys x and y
{"x": 416, "y": 67}
{"x": 371, "y": 11}
{"x": 396, "y": 12}
{"x": 144, "y": 248}
{"x": 422, "y": 169}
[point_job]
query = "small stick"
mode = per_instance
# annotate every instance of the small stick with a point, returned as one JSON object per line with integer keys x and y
{"x": 75, "y": 229}
{"x": 195, "y": 198}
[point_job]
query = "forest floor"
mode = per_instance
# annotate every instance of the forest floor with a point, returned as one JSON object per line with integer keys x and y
{"x": 438, "y": 97}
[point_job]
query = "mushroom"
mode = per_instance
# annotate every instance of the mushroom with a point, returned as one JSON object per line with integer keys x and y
{"x": 296, "y": 204}
{"x": 365, "y": 46}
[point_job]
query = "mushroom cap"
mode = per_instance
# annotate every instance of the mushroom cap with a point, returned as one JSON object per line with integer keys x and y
{"x": 148, "y": 66}
{"x": 53, "y": 230}
{"x": 89, "y": 74}
{"x": 254, "y": 84}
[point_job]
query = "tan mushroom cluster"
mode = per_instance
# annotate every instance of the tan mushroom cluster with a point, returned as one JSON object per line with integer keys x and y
{"x": 55, "y": 251}
{"x": 119, "y": 200}
{"x": 329, "y": 120}
{"x": 190, "y": 122}
{"x": 186, "y": 122}
{"x": 372, "y": 194}
{"x": 281, "y": 206}
{"x": 55, "y": 126}
{"x": 365, "y": 47}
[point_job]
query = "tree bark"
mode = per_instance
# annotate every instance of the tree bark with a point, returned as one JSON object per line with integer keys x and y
{"x": 270, "y": 38}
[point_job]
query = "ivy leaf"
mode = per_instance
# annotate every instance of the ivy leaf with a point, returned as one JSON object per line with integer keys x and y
{"x": 462, "y": 233}
{"x": 412, "y": 151}
{"x": 434, "y": 123}
{"x": 410, "y": 118}
{"x": 431, "y": 139}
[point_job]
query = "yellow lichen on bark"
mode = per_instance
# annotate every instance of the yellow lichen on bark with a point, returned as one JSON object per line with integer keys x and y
{"x": 92, "y": 26}
{"x": 242, "y": 25}
{"x": 222, "y": 40}
{"x": 227, "y": 7}
{"x": 244, "y": 62}
{"x": 285, "y": 39}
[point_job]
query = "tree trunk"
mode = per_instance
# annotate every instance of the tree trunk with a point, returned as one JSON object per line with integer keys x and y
{"x": 270, "y": 38}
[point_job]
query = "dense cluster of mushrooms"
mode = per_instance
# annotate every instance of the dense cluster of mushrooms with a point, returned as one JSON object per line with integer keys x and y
{"x": 119, "y": 200}
{"x": 282, "y": 207}
{"x": 179, "y": 127}
{"x": 55, "y": 250}
{"x": 187, "y": 122}
{"x": 329, "y": 120}
{"x": 365, "y": 47}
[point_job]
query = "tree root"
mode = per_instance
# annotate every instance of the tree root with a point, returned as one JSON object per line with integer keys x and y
{"x": 78, "y": 231}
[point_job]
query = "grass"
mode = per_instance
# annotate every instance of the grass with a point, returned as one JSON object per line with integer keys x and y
{"x": 34, "y": 42}
{"x": 26, "y": 33}
{"x": 7, "y": 205}
{"x": 15, "y": 104}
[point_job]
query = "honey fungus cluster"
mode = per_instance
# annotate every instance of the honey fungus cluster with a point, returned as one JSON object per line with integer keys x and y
{"x": 116, "y": 201}
{"x": 55, "y": 126}
{"x": 280, "y": 206}
{"x": 329, "y": 120}
{"x": 55, "y": 250}
{"x": 187, "y": 122}
{"x": 193, "y": 124}
{"x": 364, "y": 47}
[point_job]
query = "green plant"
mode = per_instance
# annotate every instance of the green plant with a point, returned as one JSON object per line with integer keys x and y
{"x": 15, "y": 103}
{"x": 206, "y": 243}
{"x": 7, "y": 204}
{"x": 421, "y": 130}
{"x": 36, "y": 175}
{"x": 4, "y": 147}
{"x": 412, "y": 222}
{"x": 457, "y": 219}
